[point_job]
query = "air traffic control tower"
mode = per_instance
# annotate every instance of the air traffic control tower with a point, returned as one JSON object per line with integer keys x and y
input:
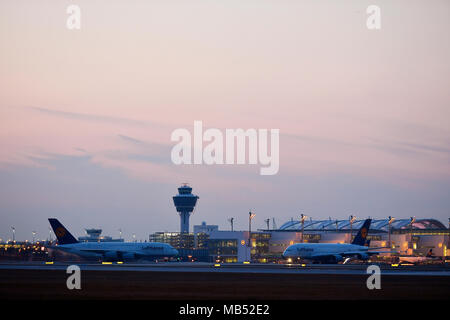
{"x": 185, "y": 203}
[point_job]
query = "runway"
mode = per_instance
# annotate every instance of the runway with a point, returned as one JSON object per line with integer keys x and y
{"x": 204, "y": 281}
{"x": 348, "y": 269}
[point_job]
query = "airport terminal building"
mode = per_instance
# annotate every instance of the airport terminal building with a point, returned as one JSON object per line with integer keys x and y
{"x": 406, "y": 237}
{"x": 416, "y": 239}
{"x": 409, "y": 237}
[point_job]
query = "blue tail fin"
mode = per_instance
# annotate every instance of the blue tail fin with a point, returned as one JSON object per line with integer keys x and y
{"x": 62, "y": 234}
{"x": 361, "y": 237}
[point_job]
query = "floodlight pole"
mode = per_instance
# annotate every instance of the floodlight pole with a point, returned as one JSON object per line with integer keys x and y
{"x": 352, "y": 219}
{"x": 249, "y": 228}
{"x": 302, "y": 220}
{"x": 391, "y": 219}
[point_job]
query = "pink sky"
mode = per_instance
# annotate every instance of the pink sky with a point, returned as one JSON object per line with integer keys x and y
{"x": 357, "y": 109}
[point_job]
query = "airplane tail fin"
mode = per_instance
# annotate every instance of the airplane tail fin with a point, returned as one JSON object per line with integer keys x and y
{"x": 361, "y": 237}
{"x": 62, "y": 234}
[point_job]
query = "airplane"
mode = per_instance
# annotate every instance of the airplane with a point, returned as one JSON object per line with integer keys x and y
{"x": 108, "y": 251}
{"x": 334, "y": 252}
{"x": 429, "y": 257}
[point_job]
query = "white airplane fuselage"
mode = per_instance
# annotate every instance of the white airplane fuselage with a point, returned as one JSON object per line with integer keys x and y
{"x": 118, "y": 250}
{"x": 316, "y": 250}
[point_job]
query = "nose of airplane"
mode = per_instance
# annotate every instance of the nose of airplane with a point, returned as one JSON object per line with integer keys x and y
{"x": 174, "y": 252}
{"x": 289, "y": 253}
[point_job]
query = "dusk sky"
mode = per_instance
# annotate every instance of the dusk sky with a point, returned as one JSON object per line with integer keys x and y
{"x": 86, "y": 115}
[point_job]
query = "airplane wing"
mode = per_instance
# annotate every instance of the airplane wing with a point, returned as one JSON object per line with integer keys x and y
{"x": 370, "y": 253}
{"x": 115, "y": 254}
{"x": 323, "y": 256}
{"x": 100, "y": 251}
{"x": 104, "y": 251}
{"x": 327, "y": 257}
{"x": 339, "y": 256}
{"x": 376, "y": 252}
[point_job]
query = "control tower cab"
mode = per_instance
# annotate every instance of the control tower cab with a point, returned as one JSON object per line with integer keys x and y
{"x": 185, "y": 203}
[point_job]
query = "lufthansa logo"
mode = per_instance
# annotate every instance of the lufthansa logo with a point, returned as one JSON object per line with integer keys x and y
{"x": 363, "y": 232}
{"x": 60, "y": 232}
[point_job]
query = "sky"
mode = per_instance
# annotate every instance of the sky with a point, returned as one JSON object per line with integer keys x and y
{"x": 86, "y": 115}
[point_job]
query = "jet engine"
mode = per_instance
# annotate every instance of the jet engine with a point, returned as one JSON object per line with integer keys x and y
{"x": 111, "y": 255}
{"x": 128, "y": 256}
{"x": 363, "y": 256}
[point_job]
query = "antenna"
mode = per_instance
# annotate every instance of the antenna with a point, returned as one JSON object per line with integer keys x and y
{"x": 231, "y": 221}
{"x": 274, "y": 224}
{"x": 267, "y": 221}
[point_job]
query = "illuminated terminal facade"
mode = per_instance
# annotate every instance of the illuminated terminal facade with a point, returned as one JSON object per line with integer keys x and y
{"x": 406, "y": 237}
{"x": 411, "y": 237}
{"x": 218, "y": 245}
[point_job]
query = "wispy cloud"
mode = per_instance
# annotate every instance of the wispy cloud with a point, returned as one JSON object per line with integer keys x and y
{"x": 88, "y": 117}
{"x": 407, "y": 147}
{"x": 395, "y": 147}
{"x": 129, "y": 139}
{"x": 427, "y": 147}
